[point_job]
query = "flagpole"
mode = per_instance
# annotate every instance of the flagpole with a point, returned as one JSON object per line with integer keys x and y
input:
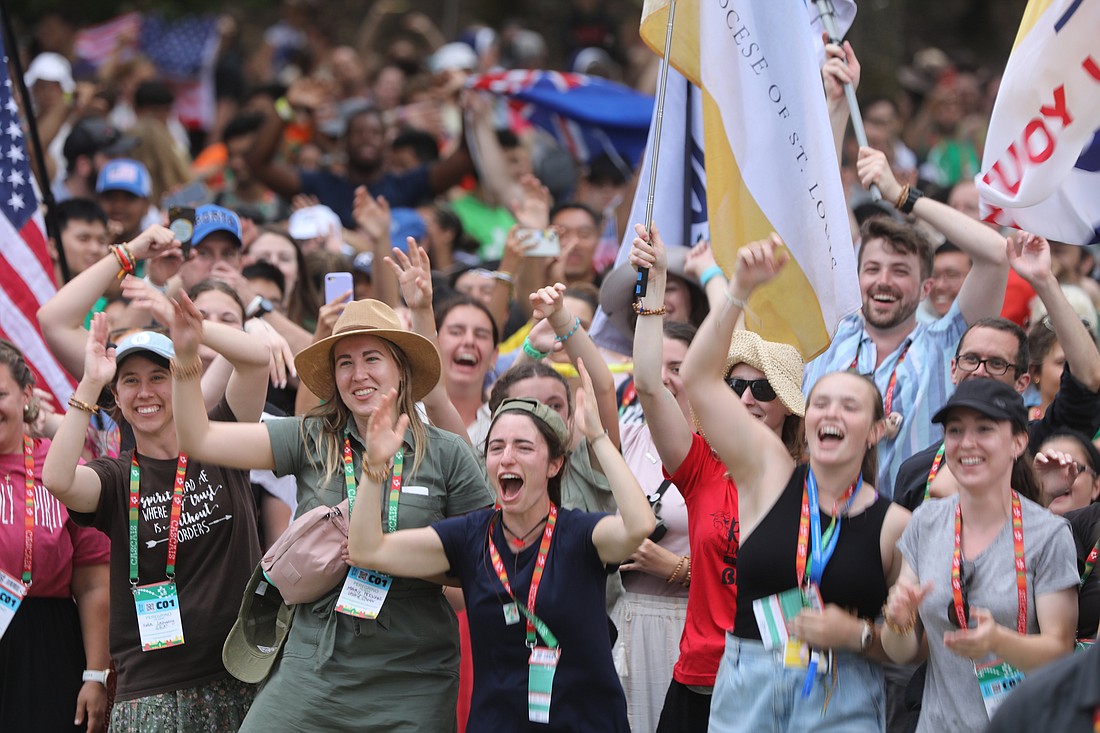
{"x": 36, "y": 142}
{"x": 827, "y": 12}
{"x": 643, "y": 272}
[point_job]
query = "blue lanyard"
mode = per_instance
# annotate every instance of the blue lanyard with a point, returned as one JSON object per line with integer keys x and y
{"x": 822, "y": 549}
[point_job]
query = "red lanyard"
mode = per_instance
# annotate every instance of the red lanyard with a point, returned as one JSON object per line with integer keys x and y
{"x": 173, "y": 520}
{"x": 28, "y": 520}
{"x": 936, "y": 462}
{"x": 629, "y": 394}
{"x": 536, "y": 575}
{"x": 804, "y": 525}
{"x": 1021, "y": 568}
{"x": 888, "y": 398}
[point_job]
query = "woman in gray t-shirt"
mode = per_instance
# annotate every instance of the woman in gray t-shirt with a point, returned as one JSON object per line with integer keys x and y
{"x": 989, "y": 576}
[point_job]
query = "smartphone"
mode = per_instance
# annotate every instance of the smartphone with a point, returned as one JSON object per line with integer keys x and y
{"x": 546, "y": 242}
{"x": 181, "y": 220}
{"x": 193, "y": 194}
{"x": 336, "y": 284}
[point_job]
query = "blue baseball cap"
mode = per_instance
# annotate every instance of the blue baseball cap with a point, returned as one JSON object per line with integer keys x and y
{"x": 151, "y": 342}
{"x": 211, "y": 218}
{"x": 124, "y": 174}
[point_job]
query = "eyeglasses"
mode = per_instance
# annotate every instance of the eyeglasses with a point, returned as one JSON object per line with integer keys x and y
{"x": 994, "y": 365}
{"x": 761, "y": 389}
{"x": 964, "y": 586}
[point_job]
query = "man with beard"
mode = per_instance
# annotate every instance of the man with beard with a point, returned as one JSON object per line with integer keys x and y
{"x": 910, "y": 362}
{"x": 364, "y": 142}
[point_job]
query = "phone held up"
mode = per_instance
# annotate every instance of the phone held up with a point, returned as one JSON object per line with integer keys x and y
{"x": 546, "y": 242}
{"x": 181, "y": 221}
{"x": 336, "y": 285}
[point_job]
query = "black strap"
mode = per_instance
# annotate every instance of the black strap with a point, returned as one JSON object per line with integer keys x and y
{"x": 655, "y": 498}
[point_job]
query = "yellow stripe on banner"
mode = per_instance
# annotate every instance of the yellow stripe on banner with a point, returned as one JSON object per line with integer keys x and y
{"x": 685, "y": 34}
{"x": 1032, "y": 13}
{"x": 786, "y": 309}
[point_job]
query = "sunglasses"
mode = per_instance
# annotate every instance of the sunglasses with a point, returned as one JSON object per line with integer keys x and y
{"x": 761, "y": 389}
{"x": 964, "y": 586}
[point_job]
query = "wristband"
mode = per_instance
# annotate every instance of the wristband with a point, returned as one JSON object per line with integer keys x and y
{"x": 576, "y": 325}
{"x": 532, "y": 352}
{"x": 709, "y": 274}
{"x": 283, "y": 109}
{"x": 160, "y": 288}
{"x": 96, "y": 675}
{"x": 504, "y": 277}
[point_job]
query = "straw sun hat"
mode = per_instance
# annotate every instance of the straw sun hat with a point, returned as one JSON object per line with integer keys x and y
{"x": 781, "y": 363}
{"x": 373, "y": 318}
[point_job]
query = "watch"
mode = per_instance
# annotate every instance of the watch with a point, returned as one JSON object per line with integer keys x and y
{"x": 96, "y": 675}
{"x": 259, "y": 307}
{"x": 866, "y": 636}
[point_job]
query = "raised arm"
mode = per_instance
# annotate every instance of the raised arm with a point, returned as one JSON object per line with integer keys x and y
{"x": 746, "y": 445}
{"x": 841, "y": 66}
{"x": 671, "y": 432}
{"x": 571, "y": 336}
{"x": 279, "y": 177}
{"x": 414, "y": 553}
{"x": 249, "y": 355}
{"x": 78, "y": 487}
{"x": 1029, "y": 256}
{"x": 982, "y": 293}
{"x": 234, "y": 445}
{"x": 616, "y": 536}
{"x": 413, "y": 273}
{"x": 61, "y": 318}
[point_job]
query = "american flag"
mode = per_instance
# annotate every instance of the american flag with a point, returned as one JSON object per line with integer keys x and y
{"x": 25, "y": 267}
{"x": 95, "y": 44}
{"x": 185, "y": 51}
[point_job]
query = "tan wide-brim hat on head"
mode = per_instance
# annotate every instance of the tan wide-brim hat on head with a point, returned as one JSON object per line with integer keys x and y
{"x": 373, "y": 318}
{"x": 781, "y": 364}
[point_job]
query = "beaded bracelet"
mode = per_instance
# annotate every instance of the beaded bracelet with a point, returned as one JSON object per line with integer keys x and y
{"x": 532, "y": 352}
{"x": 576, "y": 325}
{"x": 897, "y": 628}
{"x": 676, "y": 572}
{"x": 377, "y": 475}
{"x": 687, "y": 578}
{"x": 82, "y": 405}
{"x": 709, "y": 274}
{"x": 186, "y": 372}
{"x": 639, "y": 310}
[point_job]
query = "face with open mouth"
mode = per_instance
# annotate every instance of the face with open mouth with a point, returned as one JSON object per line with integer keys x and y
{"x": 841, "y": 418}
{"x": 143, "y": 391}
{"x": 980, "y": 450}
{"x": 891, "y": 284}
{"x": 518, "y": 461}
{"x": 364, "y": 369}
{"x": 466, "y": 345}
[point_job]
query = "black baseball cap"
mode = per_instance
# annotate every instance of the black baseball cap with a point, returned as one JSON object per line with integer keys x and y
{"x": 95, "y": 135}
{"x": 988, "y": 397}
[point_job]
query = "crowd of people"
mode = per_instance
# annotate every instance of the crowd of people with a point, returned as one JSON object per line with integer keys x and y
{"x": 332, "y": 309}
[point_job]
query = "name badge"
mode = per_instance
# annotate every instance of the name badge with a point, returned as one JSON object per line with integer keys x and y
{"x": 12, "y": 591}
{"x": 158, "y": 615}
{"x": 774, "y": 613}
{"x": 363, "y": 593}
{"x": 540, "y": 682}
{"x": 996, "y": 680}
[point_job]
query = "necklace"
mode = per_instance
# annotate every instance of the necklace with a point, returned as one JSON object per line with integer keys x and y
{"x": 521, "y": 541}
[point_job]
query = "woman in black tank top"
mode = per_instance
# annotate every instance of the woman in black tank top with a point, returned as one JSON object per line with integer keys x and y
{"x": 817, "y": 544}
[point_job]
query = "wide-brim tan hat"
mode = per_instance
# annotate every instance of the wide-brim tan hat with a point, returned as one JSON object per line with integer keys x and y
{"x": 617, "y": 290}
{"x": 373, "y": 318}
{"x": 781, "y": 364}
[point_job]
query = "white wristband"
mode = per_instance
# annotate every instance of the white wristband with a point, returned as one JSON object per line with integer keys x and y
{"x": 96, "y": 675}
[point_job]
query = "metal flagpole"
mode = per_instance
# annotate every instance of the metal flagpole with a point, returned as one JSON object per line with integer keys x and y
{"x": 643, "y": 273}
{"x": 828, "y": 19}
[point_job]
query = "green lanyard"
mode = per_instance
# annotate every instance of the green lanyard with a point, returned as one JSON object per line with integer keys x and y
{"x": 933, "y": 471}
{"x": 395, "y": 484}
{"x": 173, "y": 521}
{"x": 1090, "y": 562}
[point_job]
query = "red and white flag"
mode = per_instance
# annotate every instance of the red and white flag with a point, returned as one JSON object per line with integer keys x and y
{"x": 25, "y": 267}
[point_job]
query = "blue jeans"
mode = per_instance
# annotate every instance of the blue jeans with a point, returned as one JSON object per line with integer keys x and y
{"x": 755, "y": 692}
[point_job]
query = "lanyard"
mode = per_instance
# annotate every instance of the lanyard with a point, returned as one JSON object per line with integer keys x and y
{"x": 1090, "y": 563}
{"x": 1021, "y": 569}
{"x": 28, "y": 520}
{"x": 630, "y": 393}
{"x": 822, "y": 548}
{"x": 173, "y": 520}
{"x": 888, "y": 398}
{"x": 936, "y": 462}
{"x": 395, "y": 485}
{"x": 534, "y": 623}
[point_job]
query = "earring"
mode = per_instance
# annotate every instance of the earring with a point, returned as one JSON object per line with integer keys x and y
{"x": 26, "y": 408}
